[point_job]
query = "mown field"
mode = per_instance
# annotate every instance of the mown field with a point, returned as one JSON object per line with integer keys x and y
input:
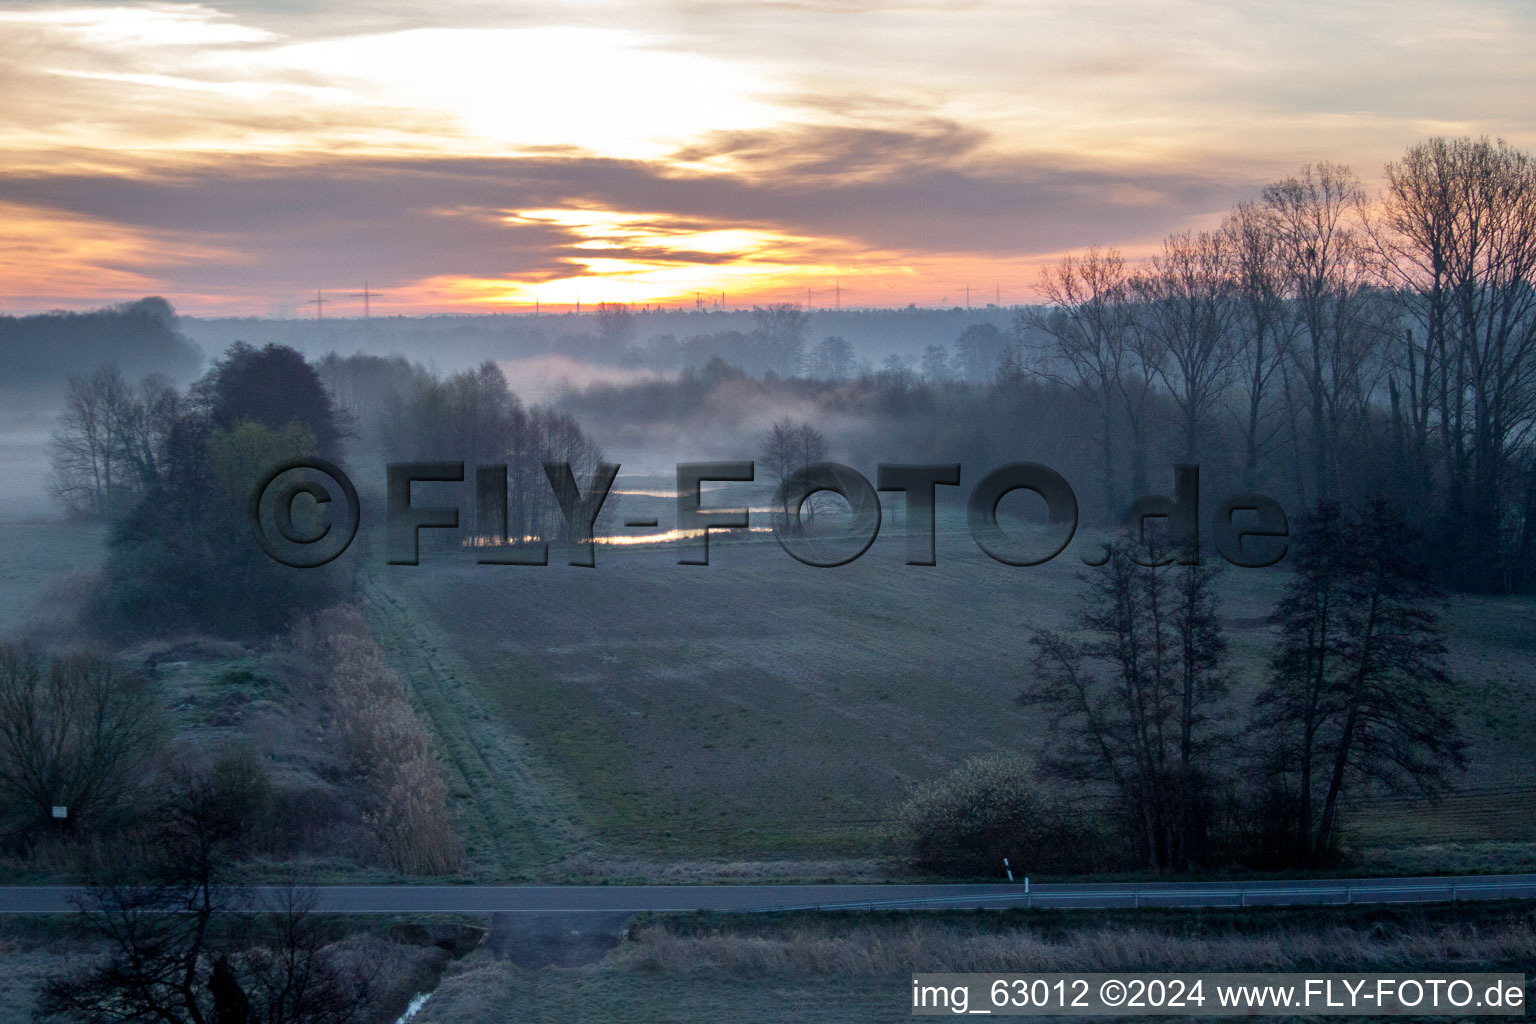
{"x": 644, "y": 712}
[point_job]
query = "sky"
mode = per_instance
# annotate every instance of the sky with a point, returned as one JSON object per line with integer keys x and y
{"x": 241, "y": 157}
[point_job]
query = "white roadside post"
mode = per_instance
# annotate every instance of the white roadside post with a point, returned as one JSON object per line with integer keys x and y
{"x": 1008, "y": 869}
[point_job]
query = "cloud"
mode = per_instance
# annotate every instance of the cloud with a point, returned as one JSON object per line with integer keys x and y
{"x": 821, "y": 155}
{"x": 481, "y": 151}
{"x": 864, "y": 201}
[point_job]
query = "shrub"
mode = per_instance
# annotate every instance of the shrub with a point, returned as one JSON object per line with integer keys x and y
{"x": 987, "y": 809}
{"x": 74, "y": 732}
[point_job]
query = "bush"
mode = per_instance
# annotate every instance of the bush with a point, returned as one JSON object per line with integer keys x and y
{"x": 987, "y": 809}
{"x": 74, "y": 732}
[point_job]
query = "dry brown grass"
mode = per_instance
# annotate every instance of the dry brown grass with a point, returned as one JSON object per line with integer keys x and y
{"x": 384, "y": 743}
{"x": 886, "y": 949}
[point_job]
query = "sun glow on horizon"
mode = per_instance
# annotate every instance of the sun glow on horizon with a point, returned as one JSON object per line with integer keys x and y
{"x": 642, "y": 258}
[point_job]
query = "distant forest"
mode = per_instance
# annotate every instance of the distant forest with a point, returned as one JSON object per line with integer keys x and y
{"x": 138, "y": 337}
{"x": 648, "y": 337}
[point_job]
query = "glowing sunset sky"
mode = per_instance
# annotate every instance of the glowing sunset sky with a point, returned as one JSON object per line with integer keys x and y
{"x": 236, "y": 156}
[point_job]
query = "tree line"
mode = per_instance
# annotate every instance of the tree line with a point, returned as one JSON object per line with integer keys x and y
{"x": 403, "y": 413}
{"x": 142, "y": 336}
{"x": 1321, "y": 343}
{"x": 172, "y": 470}
{"x": 1317, "y": 320}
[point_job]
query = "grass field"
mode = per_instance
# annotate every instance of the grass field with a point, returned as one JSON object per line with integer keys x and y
{"x": 756, "y": 709}
{"x": 45, "y": 573}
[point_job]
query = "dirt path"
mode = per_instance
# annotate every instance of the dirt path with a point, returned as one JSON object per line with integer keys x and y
{"x": 516, "y": 816}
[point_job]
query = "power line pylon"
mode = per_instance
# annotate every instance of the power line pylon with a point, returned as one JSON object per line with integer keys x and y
{"x": 365, "y": 295}
{"x": 318, "y": 302}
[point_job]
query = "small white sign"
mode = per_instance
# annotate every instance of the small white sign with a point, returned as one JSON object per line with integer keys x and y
{"x": 60, "y": 812}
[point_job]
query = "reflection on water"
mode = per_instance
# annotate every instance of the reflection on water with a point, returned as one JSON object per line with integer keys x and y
{"x": 667, "y": 537}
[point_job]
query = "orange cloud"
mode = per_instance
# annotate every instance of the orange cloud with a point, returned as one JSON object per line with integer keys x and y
{"x": 55, "y": 259}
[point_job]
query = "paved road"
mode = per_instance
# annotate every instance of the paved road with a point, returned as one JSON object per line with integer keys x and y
{"x": 487, "y": 899}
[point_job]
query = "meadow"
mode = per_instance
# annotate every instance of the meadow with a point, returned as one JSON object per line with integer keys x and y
{"x": 46, "y": 571}
{"x": 760, "y": 716}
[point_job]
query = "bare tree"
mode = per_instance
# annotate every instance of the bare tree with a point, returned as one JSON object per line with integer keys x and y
{"x": 1134, "y": 701}
{"x": 935, "y": 365}
{"x": 615, "y": 326}
{"x": 1316, "y": 217}
{"x": 896, "y": 373}
{"x": 92, "y": 450}
{"x": 1263, "y": 326}
{"x": 788, "y": 448}
{"x": 1188, "y": 307}
{"x": 1091, "y": 326}
{"x": 184, "y": 948}
{"x": 74, "y": 731}
{"x": 1457, "y": 237}
{"x": 780, "y": 333}
{"x": 977, "y": 351}
{"x": 777, "y": 451}
{"x": 832, "y": 358}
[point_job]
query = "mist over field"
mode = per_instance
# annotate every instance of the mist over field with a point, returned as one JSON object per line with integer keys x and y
{"x": 26, "y": 422}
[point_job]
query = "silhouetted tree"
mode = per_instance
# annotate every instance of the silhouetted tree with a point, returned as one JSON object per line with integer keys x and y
{"x": 1359, "y": 690}
{"x": 780, "y": 332}
{"x": 789, "y": 448}
{"x": 1094, "y": 351}
{"x": 935, "y": 365}
{"x": 1315, "y": 214}
{"x": 1456, "y": 237}
{"x": 1188, "y": 310}
{"x": 90, "y": 475}
{"x": 273, "y": 386}
{"x": 183, "y": 947}
{"x": 74, "y": 733}
{"x": 615, "y": 327}
{"x": 1263, "y": 326}
{"x": 832, "y": 359}
{"x": 1134, "y": 701}
{"x": 977, "y": 351}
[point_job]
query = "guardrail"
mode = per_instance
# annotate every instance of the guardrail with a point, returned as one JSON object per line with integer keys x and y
{"x": 777, "y": 898}
{"x": 1189, "y": 896}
